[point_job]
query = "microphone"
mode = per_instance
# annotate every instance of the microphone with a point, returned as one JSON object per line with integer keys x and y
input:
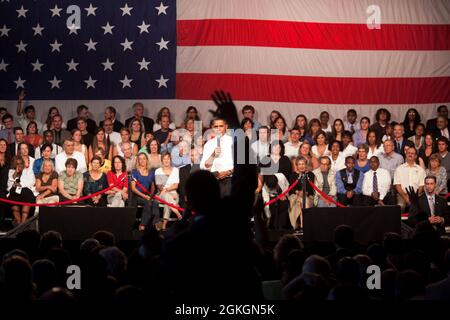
{"x": 218, "y": 141}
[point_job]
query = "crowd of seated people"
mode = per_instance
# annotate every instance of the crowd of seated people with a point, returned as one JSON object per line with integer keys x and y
{"x": 215, "y": 266}
{"x": 350, "y": 160}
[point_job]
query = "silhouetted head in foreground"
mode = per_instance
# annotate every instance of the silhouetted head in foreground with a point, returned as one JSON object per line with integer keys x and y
{"x": 343, "y": 236}
{"x": 202, "y": 192}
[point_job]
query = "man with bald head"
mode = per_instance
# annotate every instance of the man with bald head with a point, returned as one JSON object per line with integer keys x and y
{"x": 69, "y": 152}
{"x": 442, "y": 129}
{"x": 442, "y": 111}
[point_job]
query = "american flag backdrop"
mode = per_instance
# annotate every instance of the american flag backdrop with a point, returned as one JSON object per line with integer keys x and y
{"x": 121, "y": 50}
{"x": 301, "y": 54}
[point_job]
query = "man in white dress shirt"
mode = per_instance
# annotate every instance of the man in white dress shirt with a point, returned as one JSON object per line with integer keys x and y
{"x": 376, "y": 185}
{"x": 261, "y": 146}
{"x": 48, "y": 138}
{"x": 291, "y": 147}
{"x": 69, "y": 152}
{"x": 218, "y": 156}
{"x": 409, "y": 174}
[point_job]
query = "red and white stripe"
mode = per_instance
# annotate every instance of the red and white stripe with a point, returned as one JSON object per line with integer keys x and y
{"x": 314, "y": 52}
{"x": 302, "y": 56}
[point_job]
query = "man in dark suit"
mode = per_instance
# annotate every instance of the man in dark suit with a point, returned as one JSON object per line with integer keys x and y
{"x": 185, "y": 172}
{"x": 442, "y": 111}
{"x": 110, "y": 114}
{"x": 399, "y": 140}
{"x": 138, "y": 110}
{"x": 82, "y": 112}
{"x": 440, "y": 290}
{"x": 59, "y": 134}
{"x": 13, "y": 147}
{"x": 442, "y": 128}
{"x": 428, "y": 206}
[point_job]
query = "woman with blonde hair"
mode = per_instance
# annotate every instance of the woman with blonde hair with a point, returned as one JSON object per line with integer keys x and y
{"x": 305, "y": 152}
{"x": 296, "y": 195}
{"x": 167, "y": 179}
{"x": 142, "y": 187}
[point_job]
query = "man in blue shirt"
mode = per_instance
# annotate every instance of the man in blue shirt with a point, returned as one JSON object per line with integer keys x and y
{"x": 349, "y": 183}
{"x": 181, "y": 154}
{"x": 248, "y": 111}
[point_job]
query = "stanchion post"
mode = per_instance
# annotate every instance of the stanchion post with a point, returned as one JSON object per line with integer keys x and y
{"x": 304, "y": 177}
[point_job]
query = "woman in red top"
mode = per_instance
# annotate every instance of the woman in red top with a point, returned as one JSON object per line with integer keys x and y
{"x": 118, "y": 177}
{"x": 32, "y": 136}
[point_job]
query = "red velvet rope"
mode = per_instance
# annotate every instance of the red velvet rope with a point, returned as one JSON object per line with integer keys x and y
{"x": 55, "y": 203}
{"x": 323, "y": 195}
{"x": 292, "y": 186}
{"x": 156, "y": 197}
{"x": 17, "y": 203}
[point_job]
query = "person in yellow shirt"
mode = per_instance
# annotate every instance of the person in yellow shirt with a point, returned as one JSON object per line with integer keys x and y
{"x": 105, "y": 164}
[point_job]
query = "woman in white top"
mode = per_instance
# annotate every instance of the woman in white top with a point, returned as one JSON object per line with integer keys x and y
{"x": 125, "y": 136}
{"x": 80, "y": 147}
{"x": 20, "y": 188}
{"x": 167, "y": 179}
{"x": 163, "y": 112}
{"x": 336, "y": 156}
{"x": 375, "y": 146}
{"x": 23, "y": 151}
{"x": 320, "y": 149}
{"x": 347, "y": 144}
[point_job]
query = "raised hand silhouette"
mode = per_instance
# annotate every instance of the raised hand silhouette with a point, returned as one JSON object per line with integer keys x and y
{"x": 226, "y": 109}
{"x": 413, "y": 195}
